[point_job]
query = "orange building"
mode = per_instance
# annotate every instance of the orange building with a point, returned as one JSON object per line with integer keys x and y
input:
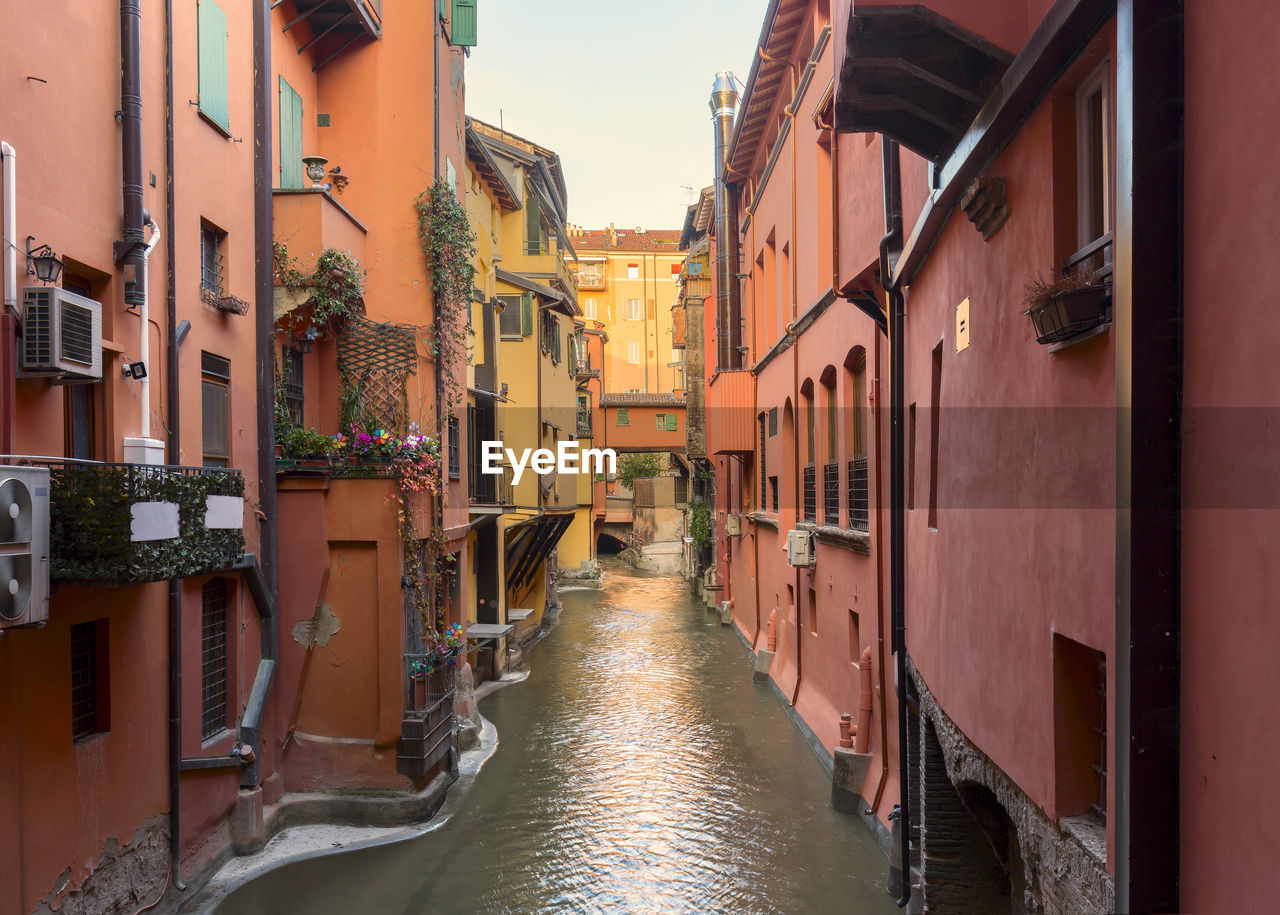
{"x": 148, "y": 729}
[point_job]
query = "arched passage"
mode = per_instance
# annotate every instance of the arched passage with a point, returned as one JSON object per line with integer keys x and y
{"x": 609, "y": 545}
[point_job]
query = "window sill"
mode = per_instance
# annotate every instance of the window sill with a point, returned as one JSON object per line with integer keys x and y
{"x": 855, "y": 541}
{"x": 213, "y": 740}
{"x": 226, "y": 133}
{"x": 764, "y": 518}
{"x": 1089, "y": 832}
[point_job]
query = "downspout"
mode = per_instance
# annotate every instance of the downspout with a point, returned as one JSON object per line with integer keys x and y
{"x": 255, "y": 707}
{"x": 8, "y": 322}
{"x": 796, "y": 494}
{"x": 144, "y": 332}
{"x": 877, "y": 421}
{"x": 890, "y": 248}
{"x": 440, "y": 368}
{"x": 724, "y": 105}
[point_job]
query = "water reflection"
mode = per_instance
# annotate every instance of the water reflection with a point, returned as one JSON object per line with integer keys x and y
{"x": 639, "y": 769}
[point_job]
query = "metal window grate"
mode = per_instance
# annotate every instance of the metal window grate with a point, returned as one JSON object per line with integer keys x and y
{"x": 859, "y": 495}
{"x": 293, "y": 387}
{"x": 84, "y": 680}
{"x": 831, "y": 493}
{"x": 810, "y": 493}
{"x": 210, "y": 260}
{"x": 773, "y": 422}
{"x": 1099, "y": 727}
{"x": 213, "y": 657}
{"x": 455, "y": 465}
{"x": 773, "y": 492}
{"x": 764, "y": 464}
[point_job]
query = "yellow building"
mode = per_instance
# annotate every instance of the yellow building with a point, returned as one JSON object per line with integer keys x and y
{"x": 523, "y": 383}
{"x": 627, "y": 280}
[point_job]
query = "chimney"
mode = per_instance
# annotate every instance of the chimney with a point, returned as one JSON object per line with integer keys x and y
{"x": 724, "y": 107}
{"x": 613, "y": 236}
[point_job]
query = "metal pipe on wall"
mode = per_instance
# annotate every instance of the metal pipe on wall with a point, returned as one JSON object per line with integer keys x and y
{"x": 8, "y": 321}
{"x": 724, "y": 106}
{"x": 129, "y": 251}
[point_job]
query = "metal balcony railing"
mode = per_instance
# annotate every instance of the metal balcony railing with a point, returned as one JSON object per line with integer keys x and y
{"x": 811, "y": 494}
{"x": 859, "y": 495}
{"x": 487, "y": 489}
{"x": 93, "y": 519}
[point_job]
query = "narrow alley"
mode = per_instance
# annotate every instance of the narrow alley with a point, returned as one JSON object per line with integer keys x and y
{"x": 638, "y": 768}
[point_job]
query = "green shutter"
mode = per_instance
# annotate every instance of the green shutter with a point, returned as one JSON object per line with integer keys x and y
{"x": 526, "y": 314}
{"x": 671, "y": 422}
{"x": 464, "y": 23}
{"x": 624, "y": 416}
{"x": 532, "y": 222}
{"x": 291, "y": 174}
{"x": 573, "y": 356}
{"x": 211, "y": 40}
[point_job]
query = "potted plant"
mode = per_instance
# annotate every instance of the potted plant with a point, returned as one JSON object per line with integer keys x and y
{"x": 1077, "y": 301}
{"x": 306, "y": 447}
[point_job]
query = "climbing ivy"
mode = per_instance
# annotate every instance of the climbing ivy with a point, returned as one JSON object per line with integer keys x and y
{"x": 335, "y": 288}
{"x": 700, "y": 523}
{"x": 448, "y": 244}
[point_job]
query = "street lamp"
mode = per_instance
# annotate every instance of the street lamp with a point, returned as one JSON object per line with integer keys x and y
{"x": 43, "y": 262}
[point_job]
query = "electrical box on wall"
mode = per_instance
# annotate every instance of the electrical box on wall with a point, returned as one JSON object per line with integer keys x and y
{"x": 962, "y": 326}
{"x": 733, "y": 525}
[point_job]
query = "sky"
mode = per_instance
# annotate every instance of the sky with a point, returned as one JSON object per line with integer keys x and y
{"x": 619, "y": 88}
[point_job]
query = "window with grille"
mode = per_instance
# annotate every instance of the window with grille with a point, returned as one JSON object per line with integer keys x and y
{"x": 773, "y": 492}
{"x": 764, "y": 462}
{"x": 211, "y": 258}
{"x": 215, "y": 406}
{"x": 455, "y": 466}
{"x": 291, "y": 358}
{"x": 831, "y": 493}
{"x": 213, "y": 657}
{"x": 810, "y": 494}
{"x": 90, "y": 699}
{"x": 773, "y": 422}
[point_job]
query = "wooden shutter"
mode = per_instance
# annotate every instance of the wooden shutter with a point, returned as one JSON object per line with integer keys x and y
{"x": 533, "y": 222}
{"x": 526, "y": 314}
{"x": 624, "y": 416}
{"x": 291, "y": 173}
{"x": 671, "y": 422}
{"x": 463, "y": 27}
{"x": 211, "y": 40}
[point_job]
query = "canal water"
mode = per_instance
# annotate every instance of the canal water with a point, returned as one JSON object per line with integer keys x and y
{"x": 638, "y": 769}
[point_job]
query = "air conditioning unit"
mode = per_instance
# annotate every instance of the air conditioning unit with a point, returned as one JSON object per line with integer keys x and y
{"x": 24, "y": 546}
{"x": 800, "y": 551}
{"x": 61, "y": 335}
{"x": 733, "y": 525}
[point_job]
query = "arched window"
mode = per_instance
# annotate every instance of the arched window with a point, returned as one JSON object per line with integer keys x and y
{"x": 830, "y": 449}
{"x": 810, "y": 495}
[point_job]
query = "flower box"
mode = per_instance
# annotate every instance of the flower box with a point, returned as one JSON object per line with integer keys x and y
{"x": 1071, "y": 312}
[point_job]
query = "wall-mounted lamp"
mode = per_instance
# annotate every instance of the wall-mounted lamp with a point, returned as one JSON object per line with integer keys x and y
{"x": 42, "y": 262}
{"x": 135, "y": 370}
{"x": 308, "y": 338}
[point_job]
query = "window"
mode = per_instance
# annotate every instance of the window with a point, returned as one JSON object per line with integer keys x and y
{"x": 455, "y": 466}
{"x": 773, "y": 493}
{"x": 591, "y": 275}
{"x": 551, "y": 336}
{"x": 215, "y": 392}
{"x": 291, "y": 359}
{"x": 764, "y": 462}
{"x": 213, "y": 658}
{"x": 773, "y": 422}
{"x": 535, "y": 240}
{"x": 1080, "y": 728}
{"x": 859, "y": 469}
{"x": 590, "y": 310}
{"x": 211, "y": 41}
{"x": 665, "y": 422}
{"x": 1093, "y": 156}
{"x": 291, "y": 170}
{"x": 212, "y": 245}
{"x": 584, "y": 414}
{"x": 633, "y": 353}
{"x": 624, "y": 417}
{"x": 813, "y": 611}
{"x": 633, "y": 271}
{"x": 90, "y": 666}
{"x": 855, "y": 640}
{"x": 635, "y": 311}
{"x": 509, "y": 319}
{"x": 679, "y": 378}
{"x": 935, "y": 429}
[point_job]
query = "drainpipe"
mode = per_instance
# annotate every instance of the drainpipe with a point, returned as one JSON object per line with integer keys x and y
{"x": 8, "y": 324}
{"x": 884, "y": 724}
{"x": 144, "y": 332}
{"x": 797, "y": 494}
{"x": 255, "y": 707}
{"x": 724, "y": 105}
{"x": 890, "y": 248}
{"x": 128, "y": 252}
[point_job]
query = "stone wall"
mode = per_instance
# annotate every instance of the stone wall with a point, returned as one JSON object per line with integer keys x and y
{"x": 985, "y": 845}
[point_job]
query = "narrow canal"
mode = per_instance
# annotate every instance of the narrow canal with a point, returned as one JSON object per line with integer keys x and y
{"x": 638, "y": 769}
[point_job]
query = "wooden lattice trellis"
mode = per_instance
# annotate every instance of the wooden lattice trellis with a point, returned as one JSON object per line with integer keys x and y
{"x": 377, "y": 359}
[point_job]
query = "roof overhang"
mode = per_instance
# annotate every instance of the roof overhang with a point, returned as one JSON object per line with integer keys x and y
{"x": 914, "y": 76}
{"x": 489, "y": 171}
{"x": 767, "y": 81}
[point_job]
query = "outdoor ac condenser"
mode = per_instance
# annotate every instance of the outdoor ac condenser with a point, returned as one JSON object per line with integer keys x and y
{"x": 24, "y": 546}
{"x": 800, "y": 551}
{"x": 61, "y": 335}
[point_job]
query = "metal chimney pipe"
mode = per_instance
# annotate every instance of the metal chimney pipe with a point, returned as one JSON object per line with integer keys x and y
{"x": 129, "y": 251}
{"x": 724, "y": 106}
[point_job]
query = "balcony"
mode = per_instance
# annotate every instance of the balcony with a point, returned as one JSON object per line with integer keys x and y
{"x": 591, "y": 276}
{"x": 124, "y": 524}
{"x": 489, "y": 490}
{"x": 336, "y": 25}
{"x": 584, "y": 422}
